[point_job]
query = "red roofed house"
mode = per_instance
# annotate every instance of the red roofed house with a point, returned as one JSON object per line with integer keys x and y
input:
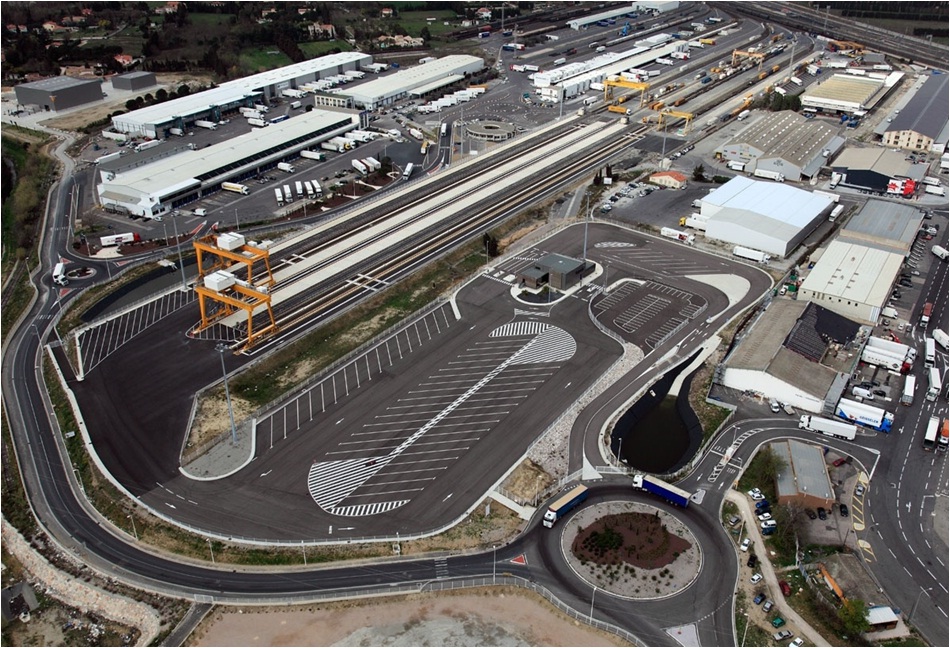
{"x": 483, "y": 14}
{"x": 386, "y": 12}
{"x": 671, "y": 179}
{"x": 124, "y": 59}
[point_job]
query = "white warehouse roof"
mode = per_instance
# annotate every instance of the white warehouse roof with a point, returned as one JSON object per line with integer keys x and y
{"x": 767, "y": 216}
{"x": 853, "y": 273}
{"x": 378, "y": 91}
{"x": 144, "y": 120}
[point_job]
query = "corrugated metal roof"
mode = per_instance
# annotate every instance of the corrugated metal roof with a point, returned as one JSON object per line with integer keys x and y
{"x": 879, "y": 160}
{"x": 775, "y": 202}
{"x": 412, "y": 78}
{"x": 926, "y": 112}
{"x": 57, "y": 83}
{"x": 854, "y": 273}
{"x": 884, "y": 225}
{"x": 787, "y": 135}
{"x": 845, "y": 88}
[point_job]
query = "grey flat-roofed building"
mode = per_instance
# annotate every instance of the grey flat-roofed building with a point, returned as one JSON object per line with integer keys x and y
{"x": 804, "y": 480}
{"x": 884, "y": 225}
{"x": 390, "y": 89}
{"x": 922, "y": 125}
{"x": 766, "y": 216}
{"x": 577, "y": 23}
{"x": 872, "y": 169}
{"x": 156, "y": 188}
{"x": 134, "y": 81}
{"x": 228, "y": 97}
{"x": 844, "y": 93}
{"x": 785, "y": 142}
{"x": 58, "y": 93}
{"x": 786, "y": 354}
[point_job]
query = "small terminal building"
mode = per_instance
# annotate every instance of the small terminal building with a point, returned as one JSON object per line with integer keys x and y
{"x": 134, "y": 81}
{"x": 555, "y": 270}
{"x": 58, "y": 93}
{"x": 804, "y": 480}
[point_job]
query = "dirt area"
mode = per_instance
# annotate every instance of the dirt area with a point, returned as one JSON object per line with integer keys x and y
{"x": 527, "y": 481}
{"x": 211, "y": 418}
{"x": 489, "y": 617}
{"x": 638, "y": 539}
{"x": 76, "y": 120}
{"x": 56, "y": 624}
{"x": 519, "y": 233}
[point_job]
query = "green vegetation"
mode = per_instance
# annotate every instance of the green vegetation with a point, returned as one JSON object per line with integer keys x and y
{"x": 260, "y": 59}
{"x": 853, "y": 617}
{"x": 314, "y": 49}
{"x": 23, "y": 207}
{"x": 747, "y": 633}
{"x": 413, "y": 22}
{"x": 16, "y": 509}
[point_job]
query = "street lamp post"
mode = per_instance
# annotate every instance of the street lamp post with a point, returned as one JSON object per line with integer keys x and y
{"x": 590, "y": 617}
{"x": 181, "y": 263}
{"x": 745, "y": 630}
{"x": 221, "y": 348}
{"x": 494, "y": 562}
{"x": 134, "y": 532}
{"x": 914, "y": 609}
{"x": 211, "y": 549}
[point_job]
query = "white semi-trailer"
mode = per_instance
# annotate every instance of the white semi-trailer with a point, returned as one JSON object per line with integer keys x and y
{"x": 236, "y": 187}
{"x": 828, "y": 427}
{"x": 204, "y": 123}
{"x": 286, "y": 166}
{"x": 769, "y": 174}
{"x": 752, "y": 255}
{"x": 678, "y": 235}
{"x": 313, "y": 155}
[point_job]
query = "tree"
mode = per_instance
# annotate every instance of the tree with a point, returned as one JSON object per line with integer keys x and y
{"x": 161, "y": 94}
{"x": 425, "y": 34}
{"x": 853, "y": 615}
{"x": 699, "y": 173}
{"x": 770, "y": 464}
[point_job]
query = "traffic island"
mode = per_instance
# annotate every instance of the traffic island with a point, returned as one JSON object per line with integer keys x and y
{"x": 631, "y": 550}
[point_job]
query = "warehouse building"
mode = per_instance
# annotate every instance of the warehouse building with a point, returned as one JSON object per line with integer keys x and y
{"x": 852, "y": 280}
{"x": 669, "y": 179}
{"x": 804, "y": 480}
{"x": 134, "y": 81}
{"x": 787, "y": 143}
{"x": 764, "y": 216}
{"x": 58, "y": 93}
{"x": 166, "y": 184}
{"x": 884, "y": 225}
{"x": 796, "y": 353}
{"x": 878, "y": 170}
{"x": 214, "y": 104}
{"x": 922, "y": 124}
{"x": 416, "y": 81}
{"x": 587, "y": 21}
{"x": 848, "y": 93}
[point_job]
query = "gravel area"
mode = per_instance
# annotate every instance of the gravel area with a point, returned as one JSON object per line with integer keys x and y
{"x": 637, "y": 583}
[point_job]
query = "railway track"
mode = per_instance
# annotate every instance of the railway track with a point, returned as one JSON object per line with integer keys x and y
{"x": 346, "y": 288}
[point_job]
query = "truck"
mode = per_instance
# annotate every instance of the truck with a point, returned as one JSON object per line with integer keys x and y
{"x": 837, "y": 211}
{"x": 944, "y": 439}
{"x": 940, "y": 252}
{"x": 905, "y": 351}
{"x": 936, "y": 191}
{"x": 416, "y": 133}
{"x": 362, "y": 136}
{"x": 250, "y": 113}
{"x": 925, "y": 313}
{"x": 317, "y": 187}
{"x": 360, "y": 167}
{"x": 682, "y": 56}
{"x": 177, "y": 132}
{"x": 735, "y": 165}
{"x": 298, "y": 185}
{"x": 280, "y": 196}
{"x": 932, "y": 181}
{"x": 109, "y": 156}
{"x": 835, "y": 179}
{"x": 119, "y": 239}
{"x": 618, "y": 109}
{"x": 564, "y": 504}
{"x": 294, "y": 105}
{"x": 146, "y": 145}
{"x": 796, "y": 80}
{"x": 204, "y": 123}
{"x": 695, "y": 221}
{"x": 771, "y": 175}
{"x": 372, "y": 164}
{"x": 742, "y": 115}
{"x": 864, "y": 414}
{"x": 930, "y": 352}
{"x": 910, "y": 386}
{"x": 934, "y": 386}
{"x": 560, "y": 61}
{"x": 343, "y": 142}
{"x": 752, "y": 255}
{"x": 665, "y": 61}
{"x": 309, "y": 189}
{"x": 707, "y": 41}
{"x": 695, "y": 44}
{"x": 285, "y": 166}
{"x": 313, "y": 155}
{"x": 288, "y": 194}
{"x": 940, "y": 338}
{"x": 930, "y": 434}
{"x": 408, "y": 171}
{"x": 236, "y": 187}
{"x": 677, "y": 235}
{"x": 670, "y": 493}
{"x": 330, "y": 145}
{"x": 837, "y": 429}
{"x": 59, "y": 274}
{"x": 258, "y": 123}
{"x": 261, "y": 108}
{"x": 885, "y": 359}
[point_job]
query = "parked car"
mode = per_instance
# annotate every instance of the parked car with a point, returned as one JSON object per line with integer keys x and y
{"x": 751, "y": 562}
{"x": 782, "y": 635}
{"x": 843, "y": 509}
{"x": 840, "y": 461}
{"x": 785, "y": 587}
{"x": 761, "y": 504}
{"x": 778, "y": 622}
{"x": 821, "y": 513}
{"x": 768, "y": 606}
{"x": 734, "y": 520}
{"x": 859, "y": 490}
{"x": 811, "y": 514}
{"x": 767, "y": 516}
{"x": 797, "y": 642}
{"x": 756, "y": 494}
{"x": 759, "y": 598}
{"x": 756, "y": 577}
{"x": 745, "y": 544}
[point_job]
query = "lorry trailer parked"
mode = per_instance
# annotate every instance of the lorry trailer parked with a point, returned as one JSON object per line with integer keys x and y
{"x": 659, "y": 487}
{"x": 838, "y": 429}
{"x": 564, "y": 504}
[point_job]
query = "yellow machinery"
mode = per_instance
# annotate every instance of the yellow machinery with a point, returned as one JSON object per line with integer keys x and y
{"x": 620, "y": 83}
{"x": 846, "y": 47}
{"x": 738, "y": 55}
{"x": 618, "y": 109}
{"x": 217, "y": 284}
{"x": 745, "y": 104}
{"x": 677, "y": 114}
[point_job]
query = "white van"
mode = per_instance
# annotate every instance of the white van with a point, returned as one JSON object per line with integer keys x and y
{"x": 201, "y": 212}
{"x": 59, "y": 275}
{"x": 862, "y": 392}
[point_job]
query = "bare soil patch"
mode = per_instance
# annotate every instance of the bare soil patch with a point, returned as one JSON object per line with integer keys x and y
{"x": 527, "y": 481}
{"x": 489, "y": 617}
{"x": 639, "y": 539}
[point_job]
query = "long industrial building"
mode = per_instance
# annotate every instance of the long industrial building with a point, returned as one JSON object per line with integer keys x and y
{"x": 852, "y": 280}
{"x": 922, "y": 124}
{"x": 418, "y": 80}
{"x": 159, "y": 187}
{"x": 765, "y": 216}
{"x": 227, "y": 97}
{"x": 849, "y": 93}
{"x": 787, "y": 143}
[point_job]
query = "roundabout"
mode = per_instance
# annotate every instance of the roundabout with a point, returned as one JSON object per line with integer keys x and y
{"x": 631, "y": 550}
